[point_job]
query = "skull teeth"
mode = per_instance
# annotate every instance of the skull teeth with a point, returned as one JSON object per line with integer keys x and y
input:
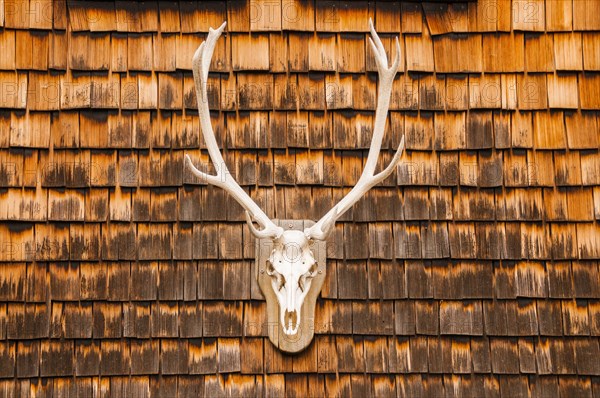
{"x": 290, "y": 322}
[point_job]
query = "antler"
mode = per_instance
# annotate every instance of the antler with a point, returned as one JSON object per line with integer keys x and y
{"x": 368, "y": 178}
{"x": 222, "y": 179}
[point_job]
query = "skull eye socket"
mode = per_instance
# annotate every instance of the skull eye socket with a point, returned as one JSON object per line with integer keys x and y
{"x": 307, "y": 276}
{"x": 272, "y": 272}
{"x": 280, "y": 281}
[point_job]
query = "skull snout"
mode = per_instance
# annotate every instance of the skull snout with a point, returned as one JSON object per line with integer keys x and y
{"x": 290, "y": 322}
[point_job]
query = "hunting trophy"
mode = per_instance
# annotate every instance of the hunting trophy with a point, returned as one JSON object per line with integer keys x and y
{"x": 290, "y": 254}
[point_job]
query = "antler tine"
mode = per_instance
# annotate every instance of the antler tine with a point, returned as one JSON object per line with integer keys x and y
{"x": 368, "y": 178}
{"x": 222, "y": 179}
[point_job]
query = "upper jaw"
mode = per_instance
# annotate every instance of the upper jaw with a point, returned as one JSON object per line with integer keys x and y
{"x": 290, "y": 322}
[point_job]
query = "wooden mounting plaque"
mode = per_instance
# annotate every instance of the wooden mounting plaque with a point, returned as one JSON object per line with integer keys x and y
{"x": 301, "y": 340}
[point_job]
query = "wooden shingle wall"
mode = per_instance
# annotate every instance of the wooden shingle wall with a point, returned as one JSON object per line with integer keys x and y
{"x": 472, "y": 271}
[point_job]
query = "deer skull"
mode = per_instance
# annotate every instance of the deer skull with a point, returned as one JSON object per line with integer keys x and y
{"x": 291, "y": 265}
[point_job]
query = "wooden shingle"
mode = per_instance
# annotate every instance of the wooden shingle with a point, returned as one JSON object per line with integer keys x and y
{"x": 24, "y": 57}
{"x": 449, "y": 130}
{"x": 538, "y": 53}
{"x": 532, "y": 91}
{"x": 503, "y": 52}
{"x": 419, "y": 53}
{"x": 585, "y": 16}
{"x": 431, "y": 92}
{"x": 450, "y": 53}
{"x": 56, "y": 358}
{"x": 2, "y": 15}
{"x": 351, "y": 53}
{"x": 589, "y": 86}
{"x": 96, "y": 205}
{"x": 297, "y": 15}
{"x": 322, "y": 52}
{"x": 8, "y": 47}
{"x": 562, "y": 91}
{"x": 568, "y": 168}
{"x": 17, "y": 84}
{"x": 411, "y": 18}
{"x": 298, "y": 50}
{"x": 116, "y": 357}
{"x": 139, "y": 52}
{"x": 107, "y": 320}
{"x": 548, "y": 130}
{"x": 419, "y": 168}
{"x": 87, "y": 358}
{"x": 243, "y": 47}
{"x": 568, "y": 51}
{"x": 485, "y": 91}
{"x": 164, "y": 51}
{"x": 559, "y": 15}
{"x": 351, "y": 13}
{"x": 265, "y": 15}
{"x": 102, "y": 17}
{"x": 589, "y": 165}
{"x": 327, "y": 16}
{"x": 528, "y": 16}
{"x": 591, "y": 56}
{"x": 137, "y": 320}
{"x": 168, "y": 16}
{"x": 437, "y": 17}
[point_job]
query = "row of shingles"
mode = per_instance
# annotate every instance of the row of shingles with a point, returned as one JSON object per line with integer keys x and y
{"x": 387, "y": 280}
{"x": 34, "y": 14}
{"x": 316, "y": 52}
{"x": 460, "y": 239}
{"x": 300, "y": 93}
{"x": 462, "y": 318}
{"x": 164, "y": 80}
{"x": 299, "y": 130}
{"x": 411, "y": 240}
{"x": 72, "y": 287}
{"x": 118, "y": 386}
{"x": 148, "y": 386}
{"x": 498, "y": 136}
{"x": 444, "y": 280}
{"x": 242, "y": 16}
{"x": 160, "y": 53}
{"x": 278, "y": 385}
{"x": 575, "y": 318}
{"x": 343, "y": 354}
{"x": 504, "y": 16}
{"x": 360, "y": 48}
{"x": 513, "y": 204}
{"x": 557, "y": 178}
{"x": 334, "y": 16}
{"x": 431, "y": 92}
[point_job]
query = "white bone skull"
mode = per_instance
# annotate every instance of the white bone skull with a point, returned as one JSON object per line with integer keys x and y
{"x": 291, "y": 265}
